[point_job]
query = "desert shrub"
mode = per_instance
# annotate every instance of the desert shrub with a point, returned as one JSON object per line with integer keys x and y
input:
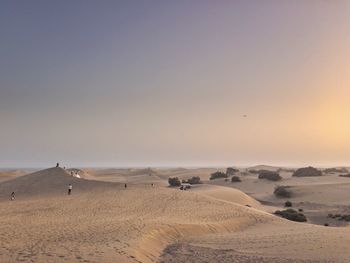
{"x": 269, "y": 175}
{"x": 340, "y": 217}
{"x": 282, "y": 191}
{"x": 336, "y": 170}
{"x": 217, "y": 175}
{"x": 345, "y": 175}
{"x": 326, "y": 224}
{"x": 174, "y": 181}
{"x": 345, "y": 218}
{"x": 226, "y": 179}
{"x": 300, "y": 210}
{"x": 288, "y": 204}
{"x": 292, "y": 215}
{"x": 306, "y": 172}
{"x": 194, "y": 180}
{"x": 231, "y": 171}
{"x": 235, "y": 179}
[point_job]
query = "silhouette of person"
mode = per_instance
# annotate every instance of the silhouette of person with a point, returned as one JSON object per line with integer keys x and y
{"x": 125, "y": 185}
{"x": 70, "y": 187}
{"x": 12, "y": 196}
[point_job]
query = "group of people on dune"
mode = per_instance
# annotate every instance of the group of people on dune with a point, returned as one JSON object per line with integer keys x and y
{"x": 69, "y": 187}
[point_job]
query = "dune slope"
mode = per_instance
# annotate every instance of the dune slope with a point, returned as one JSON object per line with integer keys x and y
{"x": 52, "y": 181}
{"x": 104, "y": 222}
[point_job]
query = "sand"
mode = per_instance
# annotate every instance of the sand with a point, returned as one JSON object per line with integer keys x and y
{"x": 104, "y": 222}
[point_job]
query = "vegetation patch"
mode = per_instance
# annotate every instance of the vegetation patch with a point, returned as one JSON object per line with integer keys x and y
{"x": 235, "y": 179}
{"x": 231, "y": 171}
{"x": 288, "y": 204}
{"x": 174, "y": 181}
{"x": 282, "y": 191}
{"x": 193, "y": 180}
{"x": 269, "y": 175}
{"x": 336, "y": 170}
{"x": 217, "y": 175}
{"x": 291, "y": 215}
{"x": 307, "y": 172}
{"x": 340, "y": 217}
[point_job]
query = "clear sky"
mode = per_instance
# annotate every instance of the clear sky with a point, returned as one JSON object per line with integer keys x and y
{"x": 167, "y": 83}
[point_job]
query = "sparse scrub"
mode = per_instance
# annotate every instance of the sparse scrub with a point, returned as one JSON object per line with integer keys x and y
{"x": 231, "y": 171}
{"x": 174, "y": 181}
{"x": 193, "y": 180}
{"x": 292, "y": 215}
{"x": 336, "y": 170}
{"x": 288, "y": 204}
{"x": 307, "y": 172}
{"x": 282, "y": 191}
{"x": 269, "y": 175}
{"x": 235, "y": 179}
{"x": 340, "y": 217}
{"x": 217, "y": 175}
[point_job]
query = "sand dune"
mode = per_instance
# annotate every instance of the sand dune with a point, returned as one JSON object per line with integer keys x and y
{"x": 53, "y": 181}
{"x": 227, "y": 194}
{"x": 103, "y": 222}
{"x": 101, "y": 226}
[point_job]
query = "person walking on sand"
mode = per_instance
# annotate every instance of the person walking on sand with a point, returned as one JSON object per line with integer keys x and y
{"x": 57, "y": 165}
{"x": 70, "y": 187}
{"x": 12, "y": 196}
{"x": 125, "y": 186}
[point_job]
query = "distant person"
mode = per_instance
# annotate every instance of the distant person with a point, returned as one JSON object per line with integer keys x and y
{"x": 57, "y": 165}
{"x": 125, "y": 186}
{"x": 12, "y": 196}
{"x": 152, "y": 184}
{"x": 70, "y": 187}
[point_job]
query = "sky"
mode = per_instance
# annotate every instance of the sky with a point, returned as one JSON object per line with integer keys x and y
{"x": 168, "y": 83}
